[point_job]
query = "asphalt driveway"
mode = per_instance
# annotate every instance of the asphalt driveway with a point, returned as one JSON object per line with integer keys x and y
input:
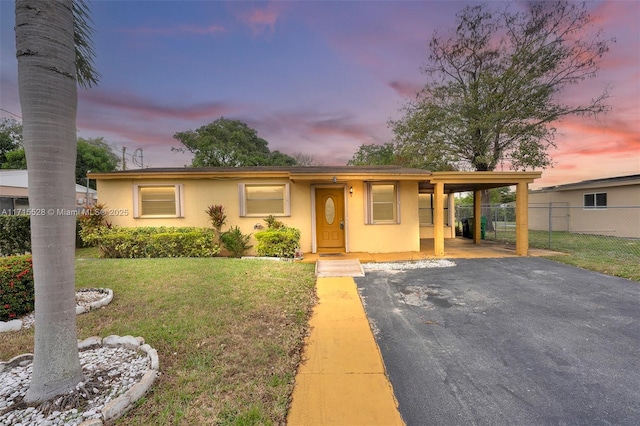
{"x": 523, "y": 341}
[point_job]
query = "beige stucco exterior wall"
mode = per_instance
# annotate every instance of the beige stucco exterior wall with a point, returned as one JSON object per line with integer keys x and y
{"x": 201, "y": 193}
{"x": 383, "y": 238}
{"x": 198, "y": 195}
{"x": 621, "y": 218}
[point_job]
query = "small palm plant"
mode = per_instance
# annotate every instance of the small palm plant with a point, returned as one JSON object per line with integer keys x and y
{"x": 218, "y": 219}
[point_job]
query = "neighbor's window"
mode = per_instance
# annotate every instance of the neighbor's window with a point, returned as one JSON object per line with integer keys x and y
{"x": 382, "y": 202}
{"x": 264, "y": 199}
{"x": 157, "y": 201}
{"x": 425, "y": 209}
{"x": 596, "y": 200}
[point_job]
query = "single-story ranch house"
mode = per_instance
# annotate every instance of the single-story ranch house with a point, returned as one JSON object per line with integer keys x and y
{"x": 606, "y": 206}
{"x": 374, "y": 209}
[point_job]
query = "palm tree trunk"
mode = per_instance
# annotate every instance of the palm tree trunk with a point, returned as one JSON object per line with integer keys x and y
{"x": 48, "y": 96}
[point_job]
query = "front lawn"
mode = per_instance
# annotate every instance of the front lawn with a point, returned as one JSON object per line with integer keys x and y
{"x": 610, "y": 255}
{"x": 228, "y": 333}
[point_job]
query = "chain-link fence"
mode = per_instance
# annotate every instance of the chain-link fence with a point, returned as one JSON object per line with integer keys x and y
{"x": 560, "y": 227}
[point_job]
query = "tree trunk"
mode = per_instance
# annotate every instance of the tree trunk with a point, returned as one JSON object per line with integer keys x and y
{"x": 486, "y": 209}
{"x": 48, "y": 96}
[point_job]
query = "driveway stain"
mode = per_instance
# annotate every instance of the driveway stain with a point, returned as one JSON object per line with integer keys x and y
{"x": 427, "y": 297}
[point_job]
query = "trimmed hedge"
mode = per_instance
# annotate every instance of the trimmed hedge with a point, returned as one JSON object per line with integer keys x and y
{"x": 153, "y": 242}
{"x": 16, "y": 235}
{"x": 16, "y": 287}
{"x": 278, "y": 242}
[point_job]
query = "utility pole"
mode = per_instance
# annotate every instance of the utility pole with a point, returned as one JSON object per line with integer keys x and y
{"x": 137, "y": 158}
{"x": 124, "y": 159}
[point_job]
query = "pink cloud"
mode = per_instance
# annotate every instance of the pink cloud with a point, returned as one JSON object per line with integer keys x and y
{"x": 342, "y": 128}
{"x": 592, "y": 138}
{"x": 263, "y": 19}
{"x": 405, "y": 89}
{"x": 149, "y": 109}
{"x": 331, "y": 138}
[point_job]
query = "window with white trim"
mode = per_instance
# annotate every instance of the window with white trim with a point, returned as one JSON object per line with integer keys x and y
{"x": 596, "y": 200}
{"x": 425, "y": 209}
{"x": 264, "y": 199}
{"x": 158, "y": 201}
{"x": 382, "y": 203}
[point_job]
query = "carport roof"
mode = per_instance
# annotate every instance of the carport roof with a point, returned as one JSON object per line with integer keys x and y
{"x": 474, "y": 181}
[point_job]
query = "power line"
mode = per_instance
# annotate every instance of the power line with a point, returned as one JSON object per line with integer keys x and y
{"x": 9, "y": 112}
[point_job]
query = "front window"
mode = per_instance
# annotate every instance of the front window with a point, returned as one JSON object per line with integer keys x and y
{"x": 264, "y": 200}
{"x": 157, "y": 201}
{"x": 382, "y": 203}
{"x": 425, "y": 209}
{"x": 596, "y": 200}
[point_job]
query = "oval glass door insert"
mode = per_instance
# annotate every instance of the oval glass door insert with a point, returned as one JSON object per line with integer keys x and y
{"x": 329, "y": 211}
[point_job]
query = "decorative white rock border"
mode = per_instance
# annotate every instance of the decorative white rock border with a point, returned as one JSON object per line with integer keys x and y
{"x": 17, "y": 324}
{"x": 119, "y": 406}
{"x": 81, "y": 309}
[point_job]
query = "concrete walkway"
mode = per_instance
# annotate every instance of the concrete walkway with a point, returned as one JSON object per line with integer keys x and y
{"x": 342, "y": 380}
{"x": 454, "y": 248}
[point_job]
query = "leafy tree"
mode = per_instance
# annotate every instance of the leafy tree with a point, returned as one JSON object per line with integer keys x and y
{"x": 93, "y": 154}
{"x": 54, "y": 52}
{"x": 305, "y": 159}
{"x": 374, "y": 155}
{"x": 229, "y": 143}
{"x": 496, "y": 196}
{"x": 15, "y": 159}
{"x": 400, "y": 154}
{"x": 10, "y": 138}
{"x": 494, "y": 85}
{"x": 277, "y": 158}
{"x": 96, "y": 155}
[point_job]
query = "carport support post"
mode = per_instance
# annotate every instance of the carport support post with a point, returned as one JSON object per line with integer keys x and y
{"x": 477, "y": 216}
{"x": 438, "y": 219}
{"x": 522, "y": 219}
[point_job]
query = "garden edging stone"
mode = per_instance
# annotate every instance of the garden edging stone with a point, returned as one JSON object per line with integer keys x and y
{"x": 123, "y": 403}
{"x": 18, "y": 324}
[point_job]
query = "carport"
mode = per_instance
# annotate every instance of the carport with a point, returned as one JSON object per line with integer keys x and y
{"x": 441, "y": 183}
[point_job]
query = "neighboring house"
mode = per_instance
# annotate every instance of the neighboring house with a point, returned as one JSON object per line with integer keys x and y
{"x": 377, "y": 209}
{"x": 14, "y": 192}
{"x": 608, "y": 206}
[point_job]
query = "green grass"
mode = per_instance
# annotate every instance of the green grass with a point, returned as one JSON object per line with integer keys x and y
{"x": 228, "y": 333}
{"x": 609, "y": 255}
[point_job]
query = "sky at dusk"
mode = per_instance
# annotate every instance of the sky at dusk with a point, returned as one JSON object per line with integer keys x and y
{"x": 312, "y": 77}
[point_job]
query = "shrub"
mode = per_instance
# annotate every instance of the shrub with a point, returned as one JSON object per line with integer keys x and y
{"x": 90, "y": 221}
{"x": 16, "y": 287}
{"x": 278, "y": 242}
{"x": 182, "y": 244}
{"x": 236, "y": 242}
{"x": 273, "y": 223}
{"x": 153, "y": 242}
{"x": 16, "y": 234}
